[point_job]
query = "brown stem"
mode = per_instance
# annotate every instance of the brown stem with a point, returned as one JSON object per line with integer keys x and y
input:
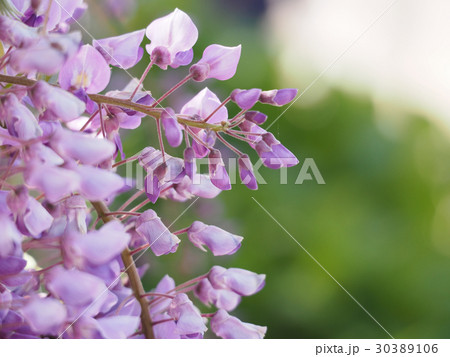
{"x": 124, "y": 103}
{"x": 133, "y": 275}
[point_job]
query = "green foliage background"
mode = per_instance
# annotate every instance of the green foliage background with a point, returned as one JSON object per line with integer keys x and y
{"x": 380, "y": 224}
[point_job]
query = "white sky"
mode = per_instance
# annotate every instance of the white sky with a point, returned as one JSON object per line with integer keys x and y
{"x": 403, "y": 60}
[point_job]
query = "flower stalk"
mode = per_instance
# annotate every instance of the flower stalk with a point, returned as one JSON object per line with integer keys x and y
{"x": 133, "y": 275}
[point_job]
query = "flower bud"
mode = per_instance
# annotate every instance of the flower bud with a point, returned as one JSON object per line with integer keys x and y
{"x": 278, "y": 97}
{"x": 219, "y": 241}
{"x": 255, "y": 117}
{"x": 246, "y": 172}
{"x": 245, "y": 99}
{"x": 217, "y": 171}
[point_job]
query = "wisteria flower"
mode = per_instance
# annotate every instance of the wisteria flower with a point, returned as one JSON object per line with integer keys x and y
{"x": 171, "y": 36}
{"x": 121, "y": 51}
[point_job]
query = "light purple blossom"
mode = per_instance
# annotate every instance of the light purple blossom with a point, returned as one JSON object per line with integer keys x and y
{"x": 217, "y": 171}
{"x": 246, "y": 172}
{"x": 78, "y": 146}
{"x": 48, "y": 55}
{"x": 278, "y": 97}
{"x": 245, "y": 99}
{"x": 20, "y": 120}
{"x": 221, "y": 298}
{"x": 44, "y": 315}
{"x": 255, "y": 117}
{"x": 219, "y": 62}
{"x": 16, "y": 33}
{"x": 219, "y": 241}
{"x": 161, "y": 240}
{"x": 121, "y": 51}
{"x": 56, "y": 102}
{"x": 97, "y": 247}
{"x": 240, "y": 281}
{"x": 226, "y": 326}
{"x": 171, "y": 127}
{"x": 87, "y": 70}
{"x": 187, "y": 317}
{"x": 274, "y": 155}
{"x": 56, "y": 182}
{"x": 170, "y": 35}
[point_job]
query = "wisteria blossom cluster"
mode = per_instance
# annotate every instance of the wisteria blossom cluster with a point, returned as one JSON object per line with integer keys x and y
{"x": 67, "y": 263}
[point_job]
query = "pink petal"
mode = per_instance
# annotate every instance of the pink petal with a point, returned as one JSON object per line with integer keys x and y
{"x": 87, "y": 70}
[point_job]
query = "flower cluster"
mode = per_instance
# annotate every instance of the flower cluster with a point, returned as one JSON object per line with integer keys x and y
{"x": 66, "y": 262}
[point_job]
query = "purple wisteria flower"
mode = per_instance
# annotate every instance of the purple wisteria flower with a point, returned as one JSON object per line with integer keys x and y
{"x": 67, "y": 266}
{"x": 219, "y": 62}
{"x": 121, "y": 51}
{"x": 227, "y": 326}
{"x": 219, "y": 241}
{"x": 172, "y": 38}
{"x": 150, "y": 227}
{"x": 87, "y": 70}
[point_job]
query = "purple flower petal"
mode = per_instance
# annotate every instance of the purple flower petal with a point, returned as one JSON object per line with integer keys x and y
{"x": 171, "y": 127}
{"x": 44, "y": 316}
{"x": 222, "y": 61}
{"x": 99, "y": 247}
{"x": 55, "y": 182}
{"x": 246, "y": 173}
{"x": 255, "y": 117}
{"x": 10, "y": 237}
{"x": 245, "y": 99}
{"x": 241, "y": 281}
{"x": 88, "y": 288}
{"x": 203, "y": 104}
{"x": 20, "y": 121}
{"x": 217, "y": 172}
{"x": 226, "y": 326}
{"x": 166, "y": 330}
{"x": 182, "y": 58}
{"x": 278, "y": 97}
{"x": 161, "y": 240}
{"x": 221, "y": 298}
{"x": 79, "y": 146}
{"x": 62, "y": 104}
{"x": 17, "y": 34}
{"x": 87, "y": 70}
{"x": 174, "y": 32}
{"x": 219, "y": 241}
{"x": 36, "y": 218}
{"x": 118, "y": 326}
{"x": 187, "y": 317}
{"x": 98, "y": 184}
{"x": 46, "y": 56}
{"x": 121, "y": 51}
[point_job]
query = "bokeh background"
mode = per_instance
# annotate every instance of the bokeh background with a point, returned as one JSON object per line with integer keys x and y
{"x": 376, "y": 125}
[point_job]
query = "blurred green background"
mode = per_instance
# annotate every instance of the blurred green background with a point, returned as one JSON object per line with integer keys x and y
{"x": 379, "y": 225}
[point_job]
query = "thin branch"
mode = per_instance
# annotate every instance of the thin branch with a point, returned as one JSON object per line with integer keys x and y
{"x": 133, "y": 275}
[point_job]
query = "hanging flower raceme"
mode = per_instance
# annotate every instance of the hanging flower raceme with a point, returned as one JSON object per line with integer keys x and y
{"x": 59, "y": 179}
